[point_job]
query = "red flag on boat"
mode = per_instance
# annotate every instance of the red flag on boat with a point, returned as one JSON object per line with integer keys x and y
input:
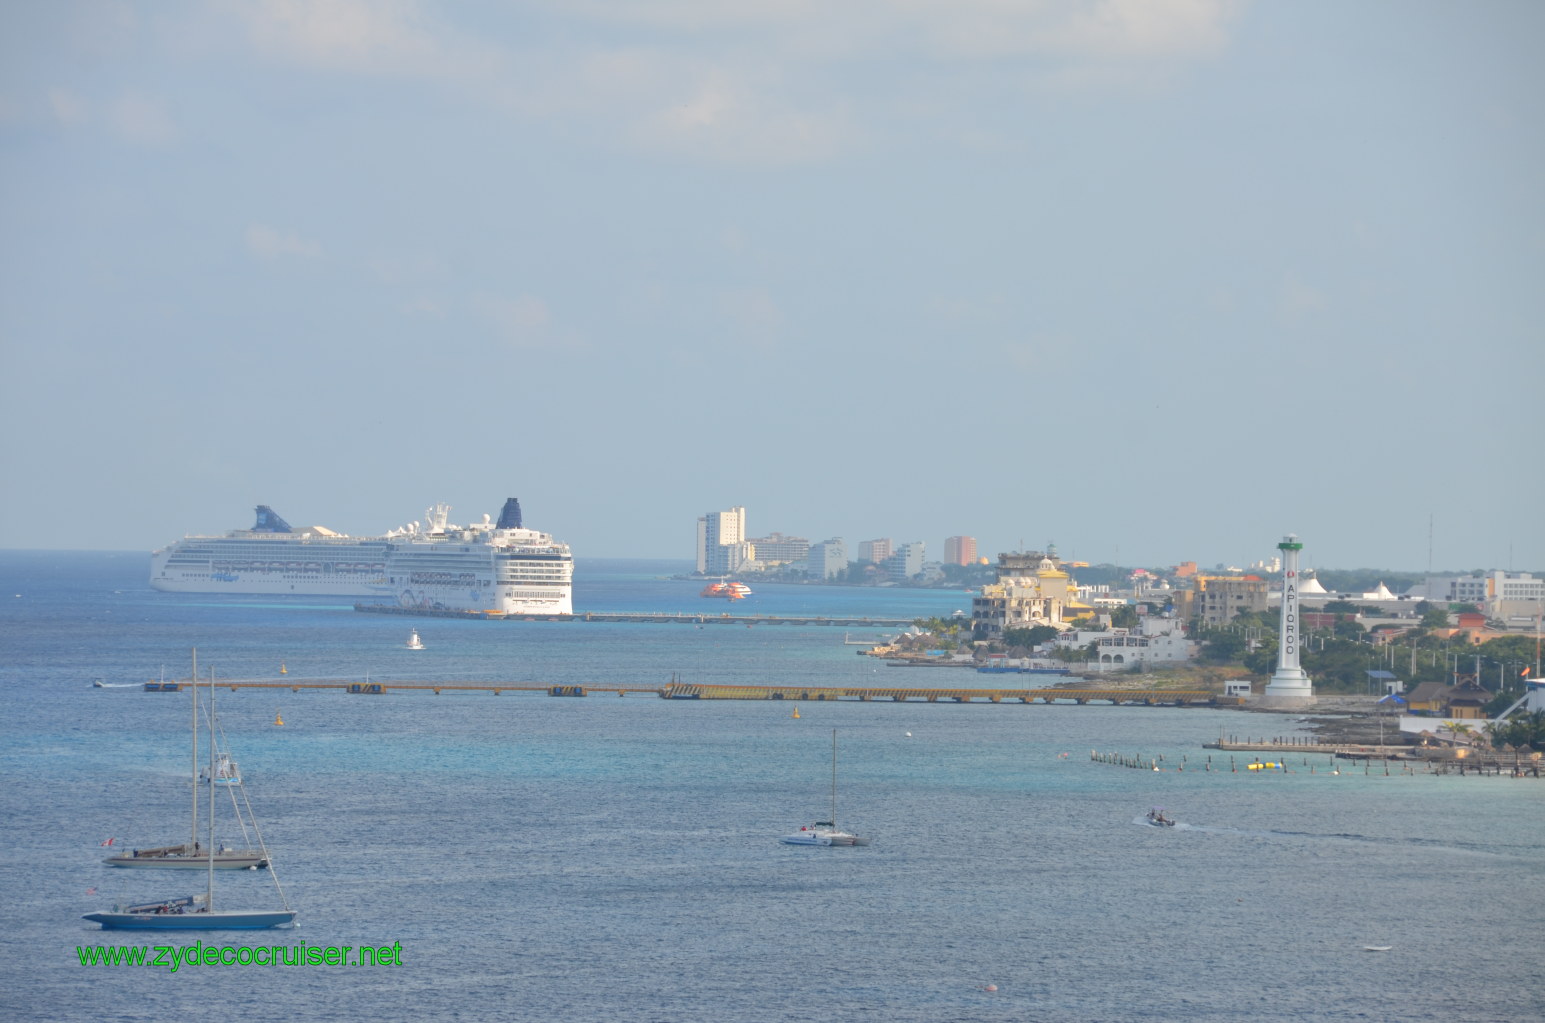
{"x": 110, "y": 841}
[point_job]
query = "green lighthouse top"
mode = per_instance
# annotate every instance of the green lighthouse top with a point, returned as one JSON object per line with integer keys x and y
{"x": 1290, "y": 543}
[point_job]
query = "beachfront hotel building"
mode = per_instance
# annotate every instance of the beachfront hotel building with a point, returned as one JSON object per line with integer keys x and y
{"x": 904, "y": 562}
{"x": 960, "y": 550}
{"x": 875, "y": 551}
{"x": 777, "y": 549}
{"x": 721, "y": 542}
{"x": 827, "y": 559}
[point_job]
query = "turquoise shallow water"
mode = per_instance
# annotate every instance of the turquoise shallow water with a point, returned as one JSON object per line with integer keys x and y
{"x": 616, "y": 859}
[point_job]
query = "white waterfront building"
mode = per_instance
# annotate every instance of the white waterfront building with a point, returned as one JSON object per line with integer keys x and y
{"x": 721, "y": 542}
{"x": 827, "y": 558}
{"x": 905, "y": 561}
{"x": 1156, "y": 640}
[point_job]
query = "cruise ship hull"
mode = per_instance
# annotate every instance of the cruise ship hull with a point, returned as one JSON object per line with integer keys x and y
{"x": 242, "y": 583}
{"x": 484, "y": 567}
{"x": 272, "y": 557}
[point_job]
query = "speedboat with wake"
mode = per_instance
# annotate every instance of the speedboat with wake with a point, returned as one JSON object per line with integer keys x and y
{"x": 1157, "y": 819}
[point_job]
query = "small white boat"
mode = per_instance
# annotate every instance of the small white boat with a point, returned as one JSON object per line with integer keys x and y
{"x": 825, "y": 832}
{"x": 822, "y": 833}
{"x": 225, "y": 771}
{"x": 414, "y": 643}
{"x": 1157, "y": 819}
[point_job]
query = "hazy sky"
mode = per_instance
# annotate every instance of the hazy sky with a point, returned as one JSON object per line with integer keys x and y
{"x": 1154, "y": 280}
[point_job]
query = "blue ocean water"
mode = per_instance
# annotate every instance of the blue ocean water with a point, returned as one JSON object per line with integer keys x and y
{"x": 616, "y": 858}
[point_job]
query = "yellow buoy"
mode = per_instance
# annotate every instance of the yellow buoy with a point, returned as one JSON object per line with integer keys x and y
{"x": 277, "y": 719}
{"x": 796, "y": 712}
{"x": 282, "y": 669}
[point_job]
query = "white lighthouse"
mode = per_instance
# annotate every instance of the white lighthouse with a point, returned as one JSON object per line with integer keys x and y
{"x": 1289, "y": 687}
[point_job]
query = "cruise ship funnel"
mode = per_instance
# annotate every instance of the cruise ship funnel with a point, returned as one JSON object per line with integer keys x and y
{"x": 509, "y": 518}
{"x": 268, "y": 522}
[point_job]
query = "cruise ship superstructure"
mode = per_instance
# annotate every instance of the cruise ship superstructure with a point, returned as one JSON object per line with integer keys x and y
{"x": 492, "y": 566}
{"x": 273, "y": 557}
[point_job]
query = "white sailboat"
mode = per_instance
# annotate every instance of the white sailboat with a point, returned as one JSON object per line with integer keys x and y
{"x": 193, "y": 912}
{"x": 191, "y": 855}
{"x": 414, "y": 643}
{"x": 825, "y": 832}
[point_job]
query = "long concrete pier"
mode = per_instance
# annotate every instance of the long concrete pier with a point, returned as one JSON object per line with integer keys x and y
{"x": 701, "y": 691}
{"x": 1134, "y": 697}
{"x": 662, "y": 617}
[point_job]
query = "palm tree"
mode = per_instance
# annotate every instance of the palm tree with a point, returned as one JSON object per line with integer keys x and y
{"x": 1459, "y": 730}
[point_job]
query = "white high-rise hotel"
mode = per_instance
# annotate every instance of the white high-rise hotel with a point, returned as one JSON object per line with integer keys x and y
{"x": 721, "y": 542}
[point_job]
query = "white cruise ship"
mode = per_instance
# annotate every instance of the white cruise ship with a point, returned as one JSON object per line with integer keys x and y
{"x": 272, "y": 557}
{"x": 493, "y": 566}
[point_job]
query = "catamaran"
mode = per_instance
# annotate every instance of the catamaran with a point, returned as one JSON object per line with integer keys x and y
{"x": 825, "y": 832}
{"x": 197, "y": 912}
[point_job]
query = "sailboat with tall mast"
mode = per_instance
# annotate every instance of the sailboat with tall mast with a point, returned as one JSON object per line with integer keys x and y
{"x": 825, "y": 832}
{"x": 191, "y": 855}
{"x": 194, "y": 912}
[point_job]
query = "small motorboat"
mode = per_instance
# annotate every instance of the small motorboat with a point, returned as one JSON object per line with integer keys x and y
{"x": 1157, "y": 819}
{"x": 414, "y": 643}
{"x": 224, "y": 771}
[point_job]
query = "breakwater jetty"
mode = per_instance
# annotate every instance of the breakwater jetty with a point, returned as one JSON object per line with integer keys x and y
{"x": 649, "y": 617}
{"x": 1143, "y": 762}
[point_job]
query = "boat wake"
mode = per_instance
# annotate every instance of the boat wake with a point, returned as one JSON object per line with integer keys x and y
{"x": 1446, "y": 845}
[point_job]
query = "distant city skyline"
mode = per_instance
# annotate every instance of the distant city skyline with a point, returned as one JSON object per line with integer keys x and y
{"x": 1153, "y": 281}
{"x": 741, "y": 525}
